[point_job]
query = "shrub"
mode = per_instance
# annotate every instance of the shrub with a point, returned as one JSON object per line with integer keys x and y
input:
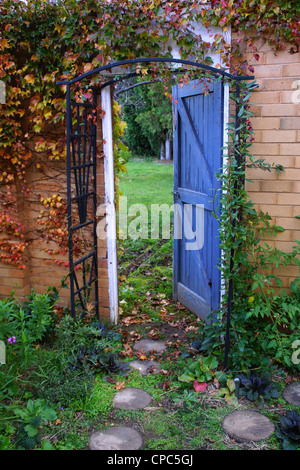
{"x": 25, "y": 324}
{"x": 202, "y": 370}
{"x": 257, "y": 388}
{"x": 289, "y": 430}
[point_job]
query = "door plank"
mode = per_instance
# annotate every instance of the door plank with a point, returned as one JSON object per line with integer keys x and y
{"x": 198, "y": 140}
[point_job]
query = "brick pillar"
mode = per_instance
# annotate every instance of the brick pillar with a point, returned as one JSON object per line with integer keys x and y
{"x": 276, "y": 125}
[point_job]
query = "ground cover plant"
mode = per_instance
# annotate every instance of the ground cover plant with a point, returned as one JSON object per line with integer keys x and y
{"x": 65, "y": 389}
{"x": 289, "y": 430}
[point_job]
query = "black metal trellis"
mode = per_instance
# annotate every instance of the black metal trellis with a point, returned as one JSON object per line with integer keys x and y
{"x": 82, "y": 203}
{"x": 80, "y": 163}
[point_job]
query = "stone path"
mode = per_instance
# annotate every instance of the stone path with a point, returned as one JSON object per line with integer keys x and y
{"x": 132, "y": 399}
{"x": 125, "y": 438}
{"x": 148, "y": 345}
{"x": 241, "y": 425}
{"x": 116, "y": 438}
{"x": 247, "y": 425}
{"x": 146, "y": 367}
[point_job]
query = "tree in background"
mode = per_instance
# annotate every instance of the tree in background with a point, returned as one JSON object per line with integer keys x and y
{"x": 147, "y": 110}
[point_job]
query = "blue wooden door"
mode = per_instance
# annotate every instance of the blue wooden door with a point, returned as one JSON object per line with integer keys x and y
{"x": 198, "y": 142}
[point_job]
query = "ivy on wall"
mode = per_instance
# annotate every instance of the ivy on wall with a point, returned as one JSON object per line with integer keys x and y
{"x": 42, "y": 43}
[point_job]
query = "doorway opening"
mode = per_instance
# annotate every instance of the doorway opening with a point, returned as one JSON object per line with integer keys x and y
{"x": 197, "y": 121}
{"x": 145, "y": 196}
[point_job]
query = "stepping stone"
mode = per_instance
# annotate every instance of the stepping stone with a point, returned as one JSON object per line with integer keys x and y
{"x": 247, "y": 425}
{"x": 116, "y": 438}
{"x": 148, "y": 345}
{"x": 144, "y": 367}
{"x": 292, "y": 394}
{"x": 132, "y": 399}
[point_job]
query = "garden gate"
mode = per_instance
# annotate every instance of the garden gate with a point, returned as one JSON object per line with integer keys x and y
{"x": 198, "y": 142}
{"x": 199, "y": 137}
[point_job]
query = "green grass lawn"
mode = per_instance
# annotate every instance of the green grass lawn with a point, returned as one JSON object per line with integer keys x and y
{"x": 147, "y": 182}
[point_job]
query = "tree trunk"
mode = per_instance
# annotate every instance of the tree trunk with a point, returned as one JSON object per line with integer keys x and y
{"x": 168, "y": 147}
{"x": 162, "y": 151}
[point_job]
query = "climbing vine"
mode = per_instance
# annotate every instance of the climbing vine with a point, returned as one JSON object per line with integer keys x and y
{"x": 257, "y": 324}
{"x": 42, "y": 43}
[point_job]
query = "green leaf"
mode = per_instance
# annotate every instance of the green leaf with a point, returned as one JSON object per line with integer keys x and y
{"x": 46, "y": 445}
{"x": 274, "y": 393}
{"x": 231, "y": 385}
{"x": 231, "y": 400}
{"x": 213, "y": 362}
{"x": 255, "y": 285}
{"x": 20, "y": 413}
{"x": 31, "y": 430}
{"x": 187, "y": 377}
{"x": 30, "y": 406}
{"x": 49, "y": 414}
{"x": 202, "y": 377}
{"x": 289, "y": 444}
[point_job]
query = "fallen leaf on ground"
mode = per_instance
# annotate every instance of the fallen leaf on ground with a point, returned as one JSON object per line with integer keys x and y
{"x": 152, "y": 358}
{"x": 166, "y": 385}
{"x": 110, "y": 380}
{"x": 200, "y": 387}
{"x": 128, "y": 352}
{"x": 119, "y": 385}
{"x": 191, "y": 328}
{"x": 135, "y": 336}
{"x": 142, "y": 357}
{"x": 153, "y": 334}
{"x": 130, "y": 320}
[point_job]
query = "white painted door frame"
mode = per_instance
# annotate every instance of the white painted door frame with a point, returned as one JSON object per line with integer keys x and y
{"x": 111, "y": 219}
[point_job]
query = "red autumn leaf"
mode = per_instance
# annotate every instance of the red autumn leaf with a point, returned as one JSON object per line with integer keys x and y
{"x": 200, "y": 387}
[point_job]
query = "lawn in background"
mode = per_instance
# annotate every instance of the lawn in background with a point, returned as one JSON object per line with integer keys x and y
{"x": 146, "y": 182}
